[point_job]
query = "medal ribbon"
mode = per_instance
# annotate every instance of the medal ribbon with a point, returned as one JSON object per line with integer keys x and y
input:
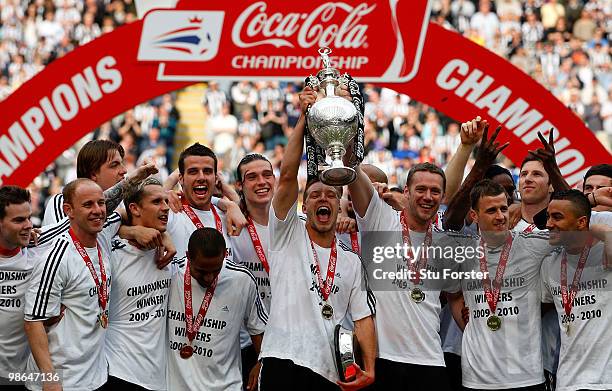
{"x": 257, "y": 244}
{"x": 355, "y": 242}
{"x": 192, "y": 328}
{"x": 415, "y": 267}
{"x": 325, "y": 288}
{"x": 102, "y": 288}
{"x": 567, "y": 298}
{"x": 196, "y": 220}
{"x": 492, "y": 296}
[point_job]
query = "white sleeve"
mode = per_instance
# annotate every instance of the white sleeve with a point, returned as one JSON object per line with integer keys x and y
{"x": 537, "y": 244}
{"x": 256, "y": 315}
{"x": 50, "y": 232}
{"x": 601, "y": 218}
{"x": 362, "y": 302}
{"x": 110, "y": 229}
{"x": 54, "y": 211}
{"x": 378, "y": 215}
{"x": 282, "y": 232}
{"x": 545, "y": 287}
{"x": 43, "y": 296}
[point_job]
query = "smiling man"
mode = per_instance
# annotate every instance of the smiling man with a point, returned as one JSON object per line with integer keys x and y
{"x": 15, "y": 270}
{"x": 579, "y": 287}
{"x": 498, "y": 349}
{"x": 210, "y": 299}
{"x": 408, "y": 356}
{"x": 197, "y": 177}
{"x": 99, "y": 160}
{"x": 535, "y": 188}
{"x": 256, "y": 184}
{"x": 69, "y": 290}
{"x": 135, "y": 350}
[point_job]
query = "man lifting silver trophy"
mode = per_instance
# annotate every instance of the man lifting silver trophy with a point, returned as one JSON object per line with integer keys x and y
{"x": 332, "y": 121}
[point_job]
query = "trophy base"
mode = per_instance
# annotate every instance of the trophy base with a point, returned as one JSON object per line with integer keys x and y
{"x": 338, "y": 176}
{"x": 345, "y": 352}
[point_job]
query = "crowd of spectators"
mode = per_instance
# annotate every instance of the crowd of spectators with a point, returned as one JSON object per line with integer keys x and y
{"x": 564, "y": 45}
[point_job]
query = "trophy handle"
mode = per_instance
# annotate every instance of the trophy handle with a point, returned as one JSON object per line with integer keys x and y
{"x": 344, "y": 359}
{"x": 313, "y": 82}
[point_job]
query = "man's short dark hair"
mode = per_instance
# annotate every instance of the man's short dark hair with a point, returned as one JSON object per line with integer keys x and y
{"x": 600, "y": 169}
{"x": 531, "y": 158}
{"x": 580, "y": 203}
{"x": 94, "y": 154}
{"x": 206, "y": 242}
{"x": 314, "y": 180}
{"x": 12, "y": 195}
{"x": 134, "y": 194}
{"x": 72, "y": 187}
{"x": 485, "y": 188}
{"x": 426, "y": 167}
{"x": 196, "y": 149}
{"x": 495, "y": 170}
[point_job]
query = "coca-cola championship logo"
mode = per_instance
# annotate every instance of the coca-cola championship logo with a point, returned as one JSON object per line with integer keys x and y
{"x": 330, "y": 24}
{"x": 271, "y": 36}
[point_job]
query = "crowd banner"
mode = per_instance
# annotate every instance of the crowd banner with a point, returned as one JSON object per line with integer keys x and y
{"x": 392, "y": 44}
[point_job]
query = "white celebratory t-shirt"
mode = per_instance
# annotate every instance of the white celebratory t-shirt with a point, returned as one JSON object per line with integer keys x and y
{"x": 510, "y": 357}
{"x": 15, "y": 273}
{"x": 136, "y": 347}
{"x": 297, "y": 330}
{"x": 585, "y": 359}
{"x": 180, "y": 227}
{"x": 244, "y": 254}
{"x": 407, "y": 331}
{"x": 76, "y": 342}
{"x": 216, "y": 362}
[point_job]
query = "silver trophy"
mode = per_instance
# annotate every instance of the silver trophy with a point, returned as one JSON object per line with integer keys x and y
{"x": 347, "y": 353}
{"x": 332, "y": 122}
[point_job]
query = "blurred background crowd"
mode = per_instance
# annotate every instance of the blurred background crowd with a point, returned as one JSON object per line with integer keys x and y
{"x": 564, "y": 45}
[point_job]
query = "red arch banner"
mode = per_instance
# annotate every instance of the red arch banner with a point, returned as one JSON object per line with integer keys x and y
{"x": 170, "y": 49}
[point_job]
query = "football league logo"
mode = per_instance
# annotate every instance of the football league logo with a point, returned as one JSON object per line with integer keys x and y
{"x": 187, "y": 35}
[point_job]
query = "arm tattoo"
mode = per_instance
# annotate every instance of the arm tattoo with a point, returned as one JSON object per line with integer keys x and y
{"x": 114, "y": 195}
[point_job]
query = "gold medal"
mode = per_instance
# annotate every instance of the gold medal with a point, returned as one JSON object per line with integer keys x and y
{"x": 417, "y": 295}
{"x": 103, "y": 321}
{"x": 327, "y": 311}
{"x": 494, "y": 322}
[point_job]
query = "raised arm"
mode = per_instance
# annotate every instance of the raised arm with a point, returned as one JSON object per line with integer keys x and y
{"x": 459, "y": 206}
{"x": 547, "y": 154}
{"x": 361, "y": 191}
{"x": 114, "y": 195}
{"x": 471, "y": 133}
{"x": 287, "y": 191}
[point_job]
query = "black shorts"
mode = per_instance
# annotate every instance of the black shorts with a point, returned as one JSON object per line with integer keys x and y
{"x": 284, "y": 375}
{"x": 249, "y": 359}
{"x": 114, "y": 383}
{"x": 393, "y": 375}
